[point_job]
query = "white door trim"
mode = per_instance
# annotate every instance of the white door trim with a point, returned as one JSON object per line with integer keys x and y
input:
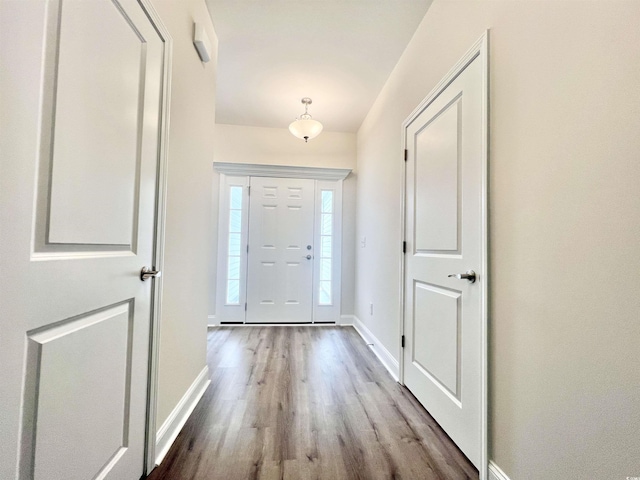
{"x": 161, "y": 202}
{"x": 281, "y": 171}
{"x": 480, "y": 49}
{"x": 325, "y": 179}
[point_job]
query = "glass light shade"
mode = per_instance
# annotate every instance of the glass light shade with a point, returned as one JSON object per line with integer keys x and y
{"x": 305, "y": 128}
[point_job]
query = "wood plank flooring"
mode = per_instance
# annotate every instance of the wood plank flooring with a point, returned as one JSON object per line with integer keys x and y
{"x": 297, "y": 403}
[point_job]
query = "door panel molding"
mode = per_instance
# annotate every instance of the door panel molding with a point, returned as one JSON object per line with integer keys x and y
{"x": 44, "y": 242}
{"x": 480, "y": 51}
{"x": 108, "y": 332}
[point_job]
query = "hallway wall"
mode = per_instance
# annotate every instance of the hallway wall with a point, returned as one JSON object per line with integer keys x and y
{"x": 276, "y": 146}
{"x": 564, "y": 223}
{"x": 186, "y": 282}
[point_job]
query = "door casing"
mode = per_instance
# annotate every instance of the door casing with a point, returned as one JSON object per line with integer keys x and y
{"x": 161, "y": 199}
{"x": 479, "y": 49}
{"x": 324, "y": 178}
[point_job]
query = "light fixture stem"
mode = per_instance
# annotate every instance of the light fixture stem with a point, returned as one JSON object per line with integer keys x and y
{"x": 306, "y": 101}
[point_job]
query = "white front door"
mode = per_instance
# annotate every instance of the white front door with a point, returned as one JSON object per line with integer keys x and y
{"x": 280, "y": 261}
{"x": 444, "y": 235}
{"x": 78, "y": 211}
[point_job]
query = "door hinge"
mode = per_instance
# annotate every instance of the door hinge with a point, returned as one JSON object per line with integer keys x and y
{"x": 245, "y": 309}
{"x": 247, "y": 248}
{"x": 402, "y": 341}
{"x": 406, "y": 154}
{"x": 248, "y": 190}
{"x": 404, "y": 247}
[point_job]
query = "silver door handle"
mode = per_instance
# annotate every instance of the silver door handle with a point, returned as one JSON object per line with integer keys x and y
{"x": 468, "y": 275}
{"x": 149, "y": 273}
{"x": 308, "y": 257}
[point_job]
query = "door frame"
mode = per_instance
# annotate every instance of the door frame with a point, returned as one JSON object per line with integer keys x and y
{"x": 480, "y": 50}
{"x": 320, "y": 175}
{"x": 158, "y": 254}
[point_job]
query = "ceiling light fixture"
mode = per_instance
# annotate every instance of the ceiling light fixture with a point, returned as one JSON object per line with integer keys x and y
{"x": 304, "y": 126}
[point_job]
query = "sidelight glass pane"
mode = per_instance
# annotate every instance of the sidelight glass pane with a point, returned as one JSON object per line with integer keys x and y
{"x": 325, "y": 247}
{"x": 327, "y": 201}
{"x": 325, "y": 293}
{"x": 235, "y": 221}
{"x": 233, "y": 273}
{"x": 233, "y": 291}
{"x": 325, "y": 223}
{"x": 234, "y": 244}
{"x": 325, "y": 269}
{"x": 236, "y": 198}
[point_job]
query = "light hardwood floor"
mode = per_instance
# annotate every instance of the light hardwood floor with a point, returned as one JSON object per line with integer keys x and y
{"x": 297, "y": 403}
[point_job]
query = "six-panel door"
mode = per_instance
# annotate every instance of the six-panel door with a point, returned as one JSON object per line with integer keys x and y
{"x": 280, "y": 270}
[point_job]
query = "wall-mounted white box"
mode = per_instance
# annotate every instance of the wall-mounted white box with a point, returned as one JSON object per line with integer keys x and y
{"x": 201, "y": 42}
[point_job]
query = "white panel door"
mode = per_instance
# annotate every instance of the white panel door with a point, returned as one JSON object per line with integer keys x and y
{"x": 75, "y": 314}
{"x": 280, "y": 263}
{"x": 443, "y": 314}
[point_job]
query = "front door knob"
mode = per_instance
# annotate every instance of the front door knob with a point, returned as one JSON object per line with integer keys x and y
{"x": 468, "y": 275}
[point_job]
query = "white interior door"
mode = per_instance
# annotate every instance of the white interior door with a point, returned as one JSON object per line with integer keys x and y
{"x": 280, "y": 261}
{"x": 444, "y": 234}
{"x": 75, "y": 314}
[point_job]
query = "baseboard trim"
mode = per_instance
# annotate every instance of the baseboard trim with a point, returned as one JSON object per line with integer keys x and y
{"x": 211, "y": 321}
{"x": 390, "y": 363}
{"x": 495, "y": 473}
{"x": 171, "y": 427}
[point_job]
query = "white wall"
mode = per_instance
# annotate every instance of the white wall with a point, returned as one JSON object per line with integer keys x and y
{"x": 186, "y": 280}
{"x": 564, "y": 223}
{"x": 276, "y": 146}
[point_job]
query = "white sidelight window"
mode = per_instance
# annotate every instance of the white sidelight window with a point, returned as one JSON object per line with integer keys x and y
{"x": 326, "y": 246}
{"x": 231, "y": 289}
{"x": 235, "y": 245}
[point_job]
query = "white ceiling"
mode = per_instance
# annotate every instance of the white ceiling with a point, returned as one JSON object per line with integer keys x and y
{"x": 338, "y": 52}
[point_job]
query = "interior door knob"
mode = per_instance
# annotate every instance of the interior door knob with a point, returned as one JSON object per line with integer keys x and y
{"x": 146, "y": 273}
{"x": 468, "y": 275}
{"x": 308, "y": 257}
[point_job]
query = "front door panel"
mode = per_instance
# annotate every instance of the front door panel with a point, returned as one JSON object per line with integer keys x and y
{"x": 280, "y": 276}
